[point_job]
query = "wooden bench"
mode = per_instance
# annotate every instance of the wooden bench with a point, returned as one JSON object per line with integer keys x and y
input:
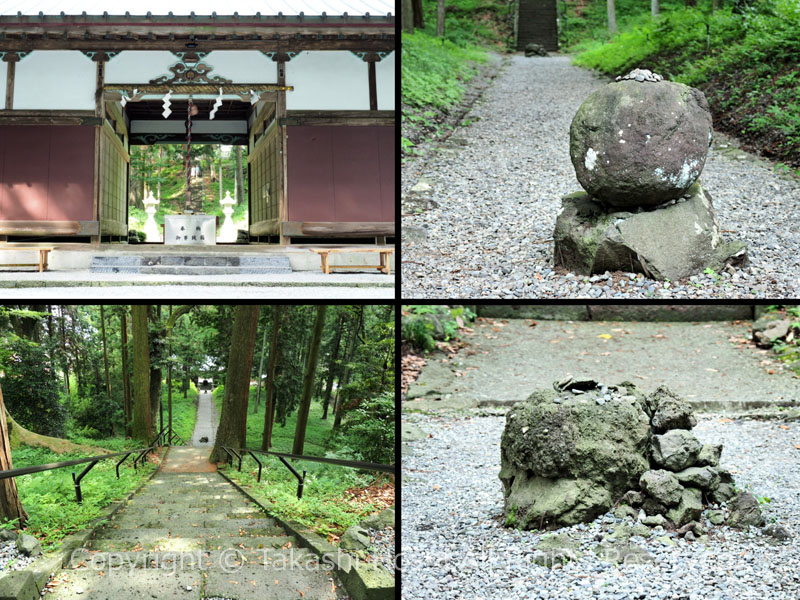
{"x": 43, "y": 252}
{"x": 384, "y": 258}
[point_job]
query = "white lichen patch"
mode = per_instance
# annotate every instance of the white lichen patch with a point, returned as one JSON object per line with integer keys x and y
{"x": 622, "y": 141}
{"x": 591, "y": 159}
{"x": 697, "y": 229}
{"x": 620, "y": 132}
{"x": 648, "y": 139}
{"x": 686, "y": 176}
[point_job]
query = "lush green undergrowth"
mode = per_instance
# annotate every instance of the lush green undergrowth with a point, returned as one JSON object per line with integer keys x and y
{"x": 434, "y": 75}
{"x": 323, "y": 507}
{"x": 184, "y": 410}
{"x": 49, "y": 497}
{"x": 424, "y": 324}
{"x": 745, "y": 63}
{"x": 317, "y": 430}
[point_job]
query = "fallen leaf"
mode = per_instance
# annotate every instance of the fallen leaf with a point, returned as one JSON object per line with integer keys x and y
{"x": 771, "y": 371}
{"x": 436, "y": 487}
{"x": 554, "y": 341}
{"x": 784, "y": 426}
{"x": 797, "y": 446}
{"x": 605, "y": 336}
{"x": 725, "y": 420}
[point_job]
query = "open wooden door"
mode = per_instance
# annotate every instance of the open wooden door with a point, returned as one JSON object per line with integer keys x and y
{"x": 113, "y": 171}
{"x": 264, "y": 168}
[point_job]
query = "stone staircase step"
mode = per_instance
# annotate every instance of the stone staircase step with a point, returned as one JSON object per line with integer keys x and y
{"x": 190, "y": 264}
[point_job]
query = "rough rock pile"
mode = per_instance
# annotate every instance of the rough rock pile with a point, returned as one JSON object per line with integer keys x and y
{"x": 638, "y": 146}
{"x": 535, "y": 50}
{"x": 572, "y": 453}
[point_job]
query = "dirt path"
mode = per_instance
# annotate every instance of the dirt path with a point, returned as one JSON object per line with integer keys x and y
{"x": 505, "y": 363}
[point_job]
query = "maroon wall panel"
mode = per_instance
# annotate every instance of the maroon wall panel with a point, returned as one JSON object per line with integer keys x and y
{"x": 25, "y": 173}
{"x": 310, "y": 174}
{"x": 47, "y": 173}
{"x": 71, "y": 189}
{"x": 386, "y": 149}
{"x": 340, "y": 173}
{"x": 356, "y": 174}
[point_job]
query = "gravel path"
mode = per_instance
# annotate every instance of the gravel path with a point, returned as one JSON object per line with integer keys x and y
{"x": 485, "y": 223}
{"x": 454, "y": 546}
{"x": 207, "y": 420}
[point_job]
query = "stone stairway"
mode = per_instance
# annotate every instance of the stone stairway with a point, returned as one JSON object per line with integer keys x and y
{"x": 195, "y": 263}
{"x": 193, "y": 536}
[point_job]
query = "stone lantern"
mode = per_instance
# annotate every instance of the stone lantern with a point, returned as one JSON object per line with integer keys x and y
{"x": 151, "y": 228}
{"x": 227, "y": 232}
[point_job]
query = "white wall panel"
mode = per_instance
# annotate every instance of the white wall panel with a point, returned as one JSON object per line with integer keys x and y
{"x": 3, "y": 76}
{"x": 54, "y": 80}
{"x": 139, "y": 66}
{"x": 335, "y": 80}
{"x": 203, "y": 126}
{"x": 243, "y": 66}
{"x": 384, "y": 80}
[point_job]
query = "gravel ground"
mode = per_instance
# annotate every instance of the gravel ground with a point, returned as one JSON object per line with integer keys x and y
{"x": 484, "y": 225}
{"x": 382, "y": 543}
{"x": 454, "y": 546}
{"x": 381, "y": 549}
{"x": 11, "y": 559}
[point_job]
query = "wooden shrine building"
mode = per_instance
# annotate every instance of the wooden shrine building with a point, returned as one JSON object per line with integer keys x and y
{"x": 312, "y": 96}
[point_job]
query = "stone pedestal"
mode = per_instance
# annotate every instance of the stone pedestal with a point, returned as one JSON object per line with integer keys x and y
{"x": 672, "y": 241}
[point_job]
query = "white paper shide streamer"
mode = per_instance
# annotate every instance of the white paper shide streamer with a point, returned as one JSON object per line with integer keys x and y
{"x": 126, "y": 98}
{"x": 253, "y": 97}
{"x": 217, "y": 104}
{"x": 167, "y": 111}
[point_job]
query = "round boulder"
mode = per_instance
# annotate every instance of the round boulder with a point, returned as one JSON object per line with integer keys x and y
{"x": 640, "y": 143}
{"x": 567, "y": 458}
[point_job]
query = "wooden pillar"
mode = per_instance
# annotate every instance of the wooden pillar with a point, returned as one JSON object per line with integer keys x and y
{"x": 12, "y": 58}
{"x": 99, "y": 111}
{"x": 373, "y": 88}
{"x": 280, "y": 117}
{"x": 371, "y": 58}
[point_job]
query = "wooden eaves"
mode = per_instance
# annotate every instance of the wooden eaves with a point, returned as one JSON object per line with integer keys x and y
{"x": 201, "y": 33}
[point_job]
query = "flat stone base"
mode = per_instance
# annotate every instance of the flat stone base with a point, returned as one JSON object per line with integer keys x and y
{"x": 672, "y": 241}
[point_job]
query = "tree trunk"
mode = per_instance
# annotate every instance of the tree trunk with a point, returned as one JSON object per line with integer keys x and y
{"x": 690, "y": 3}
{"x": 65, "y": 354}
{"x": 655, "y": 7}
{"x": 10, "y": 506}
{"x": 169, "y": 381}
{"x": 142, "y": 415}
{"x": 612, "y": 17}
{"x": 261, "y": 368}
{"x": 341, "y": 395}
{"x": 126, "y": 376}
{"x": 158, "y": 176}
{"x": 407, "y": 16}
{"x": 308, "y": 382}
{"x": 155, "y": 372}
{"x": 269, "y": 408}
{"x": 232, "y": 429}
{"x": 185, "y": 380}
{"x": 239, "y": 175}
{"x": 440, "y": 18}
{"x": 418, "y": 19}
{"x": 332, "y": 368}
{"x": 105, "y": 352}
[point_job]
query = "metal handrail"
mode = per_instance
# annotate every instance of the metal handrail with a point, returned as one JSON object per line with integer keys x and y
{"x": 92, "y": 460}
{"x": 282, "y": 456}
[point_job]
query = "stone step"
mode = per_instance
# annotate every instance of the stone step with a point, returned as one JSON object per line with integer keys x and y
{"x": 190, "y": 264}
{"x": 126, "y": 540}
{"x": 161, "y": 270}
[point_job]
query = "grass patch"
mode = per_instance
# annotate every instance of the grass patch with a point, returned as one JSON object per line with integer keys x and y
{"x": 49, "y": 497}
{"x": 184, "y": 410}
{"x": 317, "y": 430}
{"x": 323, "y": 508}
{"x": 745, "y": 63}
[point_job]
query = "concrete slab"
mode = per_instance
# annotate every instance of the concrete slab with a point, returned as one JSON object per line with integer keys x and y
{"x": 505, "y": 363}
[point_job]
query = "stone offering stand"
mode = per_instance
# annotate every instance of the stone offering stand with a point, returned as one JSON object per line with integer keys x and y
{"x": 638, "y": 146}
